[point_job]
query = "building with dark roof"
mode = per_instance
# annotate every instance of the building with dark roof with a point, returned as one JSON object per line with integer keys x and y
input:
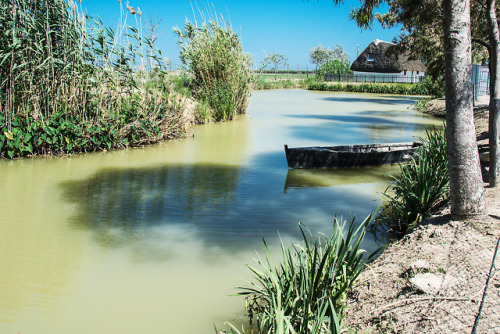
{"x": 374, "y": 61}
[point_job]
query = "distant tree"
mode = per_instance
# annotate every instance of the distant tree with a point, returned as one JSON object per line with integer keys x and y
{"x": 320, "y": 55}
{"x": 334, "y": 66}
{"x": 275, "y": 59}
{"x": 338, "y": 53}
{"x": 153, "y": 28}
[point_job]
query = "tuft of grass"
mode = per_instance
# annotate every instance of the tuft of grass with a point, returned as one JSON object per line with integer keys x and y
{"x": 421, "y": 187}
{"x": 307, "y": 291}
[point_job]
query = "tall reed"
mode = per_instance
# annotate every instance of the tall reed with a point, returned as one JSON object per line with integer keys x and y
{"x": 68, "y": 83}
{"x": 220, "y": 70}
{"x": 307, "y": 291}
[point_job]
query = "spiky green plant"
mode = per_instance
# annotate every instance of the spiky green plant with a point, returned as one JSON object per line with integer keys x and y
{"x": 220, "y": 70}
{"x": 421, "y": 187}
{"x": 306, "y": 292}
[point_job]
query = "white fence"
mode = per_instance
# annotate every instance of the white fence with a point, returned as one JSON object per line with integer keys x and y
{"x": 382, "y": 78}
{"x": 481, "y": 80}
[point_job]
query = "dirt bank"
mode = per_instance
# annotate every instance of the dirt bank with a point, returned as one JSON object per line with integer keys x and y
{"x": 432, "y": 281}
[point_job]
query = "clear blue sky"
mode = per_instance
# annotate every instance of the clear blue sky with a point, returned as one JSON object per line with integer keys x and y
{"x": 290, "y": 27}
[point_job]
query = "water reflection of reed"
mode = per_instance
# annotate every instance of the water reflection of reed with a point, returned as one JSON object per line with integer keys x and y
{"x": 130, "y": 200}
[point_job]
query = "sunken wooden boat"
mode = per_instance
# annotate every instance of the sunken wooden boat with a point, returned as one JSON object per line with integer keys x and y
{"x": 350, "y": 155}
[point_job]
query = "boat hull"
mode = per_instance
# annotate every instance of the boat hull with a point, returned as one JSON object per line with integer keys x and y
{"x": 350, "y": 156}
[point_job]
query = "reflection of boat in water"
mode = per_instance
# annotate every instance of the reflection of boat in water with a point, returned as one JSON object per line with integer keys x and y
{"x": 318, "y": 178}
{"x": 350, "y": 155}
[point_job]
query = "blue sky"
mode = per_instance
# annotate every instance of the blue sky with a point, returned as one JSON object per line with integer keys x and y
{"x": 288, "y": 27}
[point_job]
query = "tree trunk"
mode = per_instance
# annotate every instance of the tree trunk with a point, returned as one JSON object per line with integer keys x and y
{"x": 494, "y": 123}
{"x": 466, "y": 186}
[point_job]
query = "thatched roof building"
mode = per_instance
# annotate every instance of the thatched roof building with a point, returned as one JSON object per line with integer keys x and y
{"x": 374, "y": 59}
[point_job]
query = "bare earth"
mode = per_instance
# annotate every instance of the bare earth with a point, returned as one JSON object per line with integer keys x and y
{"x": 432, "y": 281}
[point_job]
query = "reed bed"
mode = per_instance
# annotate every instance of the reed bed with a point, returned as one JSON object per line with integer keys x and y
{"x": 70, "y": 84}
{"x": 219, "y": 69}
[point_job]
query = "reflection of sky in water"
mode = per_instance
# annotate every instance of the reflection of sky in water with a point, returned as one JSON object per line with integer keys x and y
{"x": 228, "y": 206}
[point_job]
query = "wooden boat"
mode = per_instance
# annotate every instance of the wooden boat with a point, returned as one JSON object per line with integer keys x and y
{"x": 350, "y": 155}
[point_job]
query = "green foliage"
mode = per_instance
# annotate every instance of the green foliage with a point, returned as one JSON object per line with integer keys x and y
{"x": 66, "y": 133}
{"x": 420, "y": 189}
{"x": 219, "y": 68}
{"x": 334, "y": 67}
{"x": 180, "y": 84}
{"x": 69, "y": 83}
{"x": 307, "y": 292}
{"x": 319, "y": 55}
{"x": 275, "y": 59}
{"x": 398, "y": 89}
{"x": 284, "y": 83}
{"x": 435, "y": 86}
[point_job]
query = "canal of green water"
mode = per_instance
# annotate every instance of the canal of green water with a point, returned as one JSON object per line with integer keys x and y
{"x": 155, "y": 240}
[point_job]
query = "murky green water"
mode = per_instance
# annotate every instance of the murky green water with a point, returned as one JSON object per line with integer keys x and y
{"x": 154, "y": 240}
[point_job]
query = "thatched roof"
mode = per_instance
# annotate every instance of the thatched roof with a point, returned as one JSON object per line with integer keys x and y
{"x": 373, "y": 59}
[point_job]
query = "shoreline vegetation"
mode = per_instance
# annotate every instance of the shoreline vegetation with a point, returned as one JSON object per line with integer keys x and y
{"x": 71, "y": 85}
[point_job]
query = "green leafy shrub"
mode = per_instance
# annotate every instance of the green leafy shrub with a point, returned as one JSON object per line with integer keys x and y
{"x": 67, "y": 133}
{"x": 397, "y": 89}
{"x": 435, "y": 87}
{"x": 307, "y": 292}
{"x": 279, "y": 84}
{"x": 219, "y": 69}
{"x": 420, "y": 189}
{"x": 334, "y": 66}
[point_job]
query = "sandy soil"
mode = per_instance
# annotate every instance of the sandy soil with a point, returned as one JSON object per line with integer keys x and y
{"x": 432, "y": 281}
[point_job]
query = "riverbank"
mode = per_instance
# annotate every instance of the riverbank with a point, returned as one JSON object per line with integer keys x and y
{"x": 432, "y": 280}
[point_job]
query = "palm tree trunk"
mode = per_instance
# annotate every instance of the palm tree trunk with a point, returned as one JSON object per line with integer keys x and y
{"x": 494, "y": 122}
{"x": 466, "y": 186}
